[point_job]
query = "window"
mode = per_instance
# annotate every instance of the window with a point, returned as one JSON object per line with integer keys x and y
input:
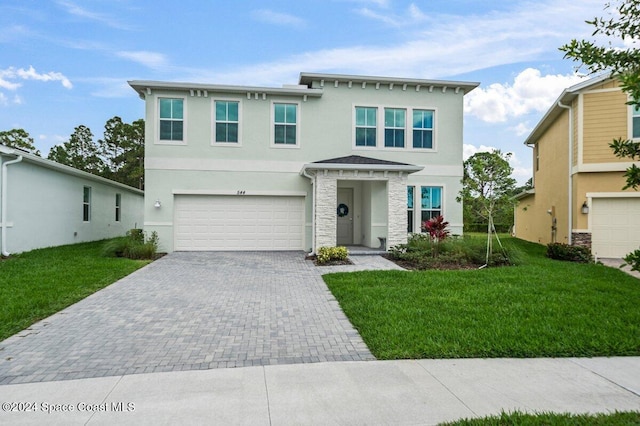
{"x": 86, "y": 204}
{"x": 636, "y": 123}
{"x": 285, "y": 127}
{"x": 423, "y": 129}
{"x": 366, "y": 126}
{"x": 394, "y": 125}
{"x": 431, "y": 202}
{"x": 410, "y": 208}
{"x": 171, "y": 119}
{"x": 227, "y": 119}
{"x": 118, "y": 206}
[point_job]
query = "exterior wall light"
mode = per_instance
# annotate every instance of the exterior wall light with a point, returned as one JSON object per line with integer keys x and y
{"x": 157, "y": 204}
{"x": 585, "y": 208}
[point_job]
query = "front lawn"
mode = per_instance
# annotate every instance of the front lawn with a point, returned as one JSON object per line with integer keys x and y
{"x": 625, "y": 418}
{"x": 541, "y": 308}
{"x": 39, "y": 283}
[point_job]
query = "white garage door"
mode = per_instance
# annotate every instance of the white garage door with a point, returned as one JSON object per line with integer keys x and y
{"x": 615, "y": 226}
{"x": 220, "y": 222}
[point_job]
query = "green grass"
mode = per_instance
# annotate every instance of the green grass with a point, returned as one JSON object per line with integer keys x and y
{"x": 550, "y": 419}
{"x": 39, "y": 283}
{"x": 541, "y": 308}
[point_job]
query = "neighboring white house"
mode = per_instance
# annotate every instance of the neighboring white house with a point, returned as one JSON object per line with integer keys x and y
{"x": 44, "y": 204}
{"x": 334, "y": 160}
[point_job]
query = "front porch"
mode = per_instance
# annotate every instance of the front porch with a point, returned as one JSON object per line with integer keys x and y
{"x": 359, "y": 201}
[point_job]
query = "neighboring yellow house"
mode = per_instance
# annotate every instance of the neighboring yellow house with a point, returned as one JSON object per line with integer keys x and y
{"x": 576, "y": 175}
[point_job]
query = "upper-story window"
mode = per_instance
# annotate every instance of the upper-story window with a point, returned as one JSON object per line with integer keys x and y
{"x": 366, "y": 126}
{"x": 394, "y": 127}
{"x": 171, "y": 119}
{"x": 423, "y": 128}
{"x": 285, "y": 119}
{"x": 227, "y": 121}
{"x": 636, "y": 123}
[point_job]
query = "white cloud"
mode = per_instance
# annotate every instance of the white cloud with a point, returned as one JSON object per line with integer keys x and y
{"x": 522, "y": 129}
{"x": 9, "y": 75}
{"x": 529, "y": 92}
{"x": 277, "y": 18}
{"x": 146, "y": 58}
{"x": 435, "y": 46}
{"x": 83, "y": 13}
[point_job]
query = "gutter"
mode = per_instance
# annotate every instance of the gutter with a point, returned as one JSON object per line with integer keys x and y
{"x": 4, "y": 201}
{"x": 570, "y": 192}
{"x": 313, "y": 210}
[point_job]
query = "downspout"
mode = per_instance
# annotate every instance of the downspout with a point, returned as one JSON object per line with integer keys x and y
{"x": 4, "y": 203}
{"x": 570, "y": 218}
{"x": 313, "y": 210}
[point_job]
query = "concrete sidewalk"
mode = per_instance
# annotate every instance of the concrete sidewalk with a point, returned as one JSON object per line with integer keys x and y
{"x": 406, "y": 392}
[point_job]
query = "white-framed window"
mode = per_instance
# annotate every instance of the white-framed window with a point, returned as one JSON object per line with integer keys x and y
{"x": 423, "y": 120}
{"x": 430, "y": 202}
{"x": 285, "y": 124}
{"x": 410, "y": 208}
{"x": 118, "y": 207}
{"x": 394, "y": 127}
{"x": 171, "y": 113}
{"x": 227, "y": 121}
{"x": 366, "y": 126}
{"x": 86, "y": 204}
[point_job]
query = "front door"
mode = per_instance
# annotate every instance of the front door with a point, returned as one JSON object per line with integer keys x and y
{"x": 345, "y": 216}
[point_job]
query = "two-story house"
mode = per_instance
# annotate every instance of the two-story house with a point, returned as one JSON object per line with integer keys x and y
{"x": 333, "y": 160}
{"x": 577, "y": 196}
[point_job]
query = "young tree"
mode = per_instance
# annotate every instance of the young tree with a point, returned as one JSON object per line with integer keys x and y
{"x": 80, "y": 152}
{"x": 18, "y": 138}
{"x": 617, "y": 54}
{"x": 487, "y": 185}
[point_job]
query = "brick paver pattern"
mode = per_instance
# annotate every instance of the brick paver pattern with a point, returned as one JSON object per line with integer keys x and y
{"x": 190, "y": 311}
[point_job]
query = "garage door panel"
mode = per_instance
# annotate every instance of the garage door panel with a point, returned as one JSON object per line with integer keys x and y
{"x": 615, "y": 226}
{"x": 238, "y": 223}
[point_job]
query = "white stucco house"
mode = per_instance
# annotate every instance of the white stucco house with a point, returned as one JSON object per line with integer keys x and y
{"x": 333, "y": 160}
{"x": 45, "y": 204}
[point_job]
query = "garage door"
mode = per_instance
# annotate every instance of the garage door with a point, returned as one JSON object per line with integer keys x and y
{"x": 615, "y": 226}
{"x": 217, "y": 222}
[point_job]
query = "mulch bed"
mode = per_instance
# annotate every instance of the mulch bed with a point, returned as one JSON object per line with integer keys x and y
{"x": 313, "y": 258}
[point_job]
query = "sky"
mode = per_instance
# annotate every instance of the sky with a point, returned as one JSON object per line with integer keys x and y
{"x": 65, "y": 63}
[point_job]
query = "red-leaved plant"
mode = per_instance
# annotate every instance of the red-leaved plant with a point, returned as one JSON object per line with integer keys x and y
{"x": 436, "y": 227}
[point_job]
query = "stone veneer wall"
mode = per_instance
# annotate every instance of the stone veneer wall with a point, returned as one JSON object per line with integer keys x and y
{"x": 326, "y": 221}
{"x": 326, "y": 190}
{"x": 582, "y": 239}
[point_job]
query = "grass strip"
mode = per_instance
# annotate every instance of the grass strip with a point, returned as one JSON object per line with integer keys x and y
{"x": 39, "y": 283}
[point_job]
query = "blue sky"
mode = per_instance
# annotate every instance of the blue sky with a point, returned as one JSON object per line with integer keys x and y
{"x": 64, "y": 63}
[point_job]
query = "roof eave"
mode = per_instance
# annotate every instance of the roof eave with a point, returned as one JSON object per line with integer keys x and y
{"x": 409, "y": 168}
{"x": 467, "y": 86}
{"x": 143, "y": 87}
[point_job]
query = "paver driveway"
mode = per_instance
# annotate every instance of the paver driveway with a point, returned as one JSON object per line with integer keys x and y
{"x": 190, "y": 311}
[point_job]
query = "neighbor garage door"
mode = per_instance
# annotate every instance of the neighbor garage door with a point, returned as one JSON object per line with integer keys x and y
{"x": 615, "y": 226}
{"x": 220, "y": 222}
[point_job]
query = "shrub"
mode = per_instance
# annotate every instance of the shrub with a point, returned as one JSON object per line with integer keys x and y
{"x": 561, "y": 251}
{"x": 420, "y": 253}
{"x": 633, "y": 260}
{"x": 329, "y": 254}
{"x": 133, "y": 245}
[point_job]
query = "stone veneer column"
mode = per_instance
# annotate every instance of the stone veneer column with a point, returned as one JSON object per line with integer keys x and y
{"x": 326, "y": 222}
{"x": 397, "y": 216}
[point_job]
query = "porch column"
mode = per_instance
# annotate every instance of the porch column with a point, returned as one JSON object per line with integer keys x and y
{"x": 326, "y": 224}
{"x": 397, "y": 222}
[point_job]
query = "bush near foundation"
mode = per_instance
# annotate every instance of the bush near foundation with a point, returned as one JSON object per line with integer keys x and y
{"x": 133, "y": 245}
{"x": 561, "y": 251}
{"x": 331, "y": 254}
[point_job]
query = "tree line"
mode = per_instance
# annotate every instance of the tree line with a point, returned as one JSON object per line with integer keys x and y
{"x": 118, "y": 156}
